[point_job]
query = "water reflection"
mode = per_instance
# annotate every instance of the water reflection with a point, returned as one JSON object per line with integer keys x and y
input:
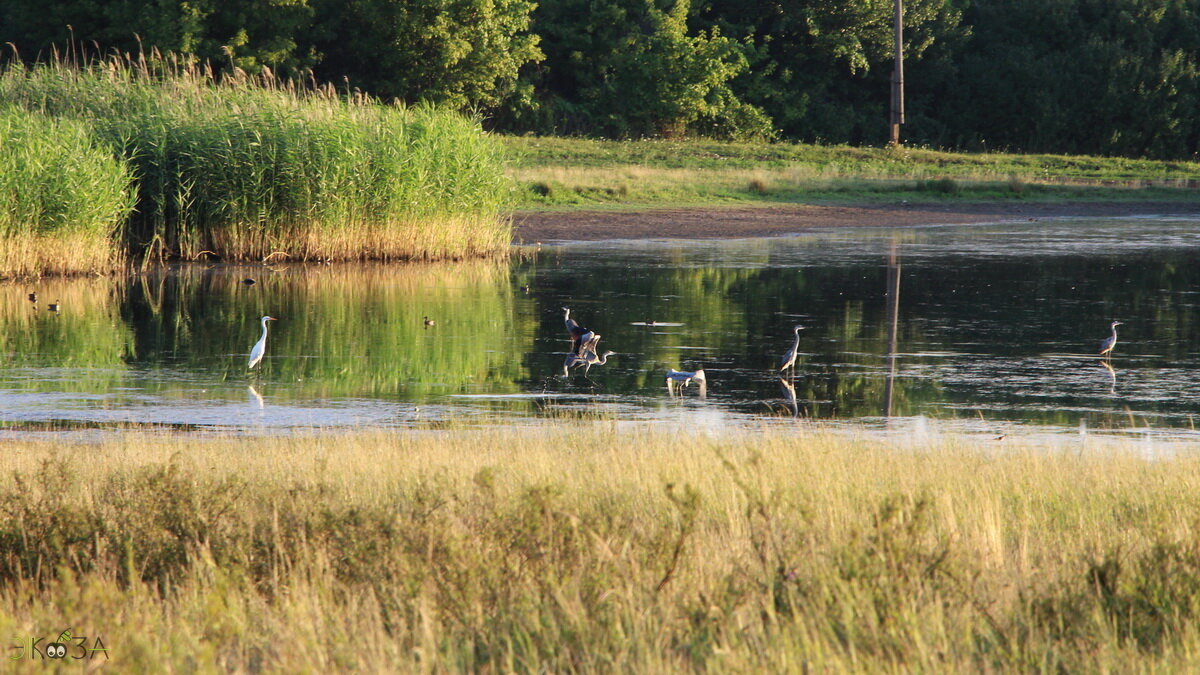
{"x": 789, "y": 396}
{"x": 991, "y": 331}
{"x": 892, "y": 299}
{"x": 1112, "y": 376}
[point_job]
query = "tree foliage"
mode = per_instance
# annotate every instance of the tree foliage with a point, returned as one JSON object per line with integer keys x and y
{"x": 247, "y": 34}
{"x": 1077, "y": 76}
{"x": 636, "y": 68}
{"x": 464, "y": 53}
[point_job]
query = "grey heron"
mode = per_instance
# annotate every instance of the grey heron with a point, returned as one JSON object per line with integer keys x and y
{"x": 588, "y": 360}
{"x": 580, "y": 336}
{"x": 260, "y": 347}
{"x": 789, "y": 358}
{"x": 1109, "y": 342}
{"x": 685, "y": 377}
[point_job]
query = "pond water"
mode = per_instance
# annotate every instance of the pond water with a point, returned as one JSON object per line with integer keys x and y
{"x": 997, "y": 330}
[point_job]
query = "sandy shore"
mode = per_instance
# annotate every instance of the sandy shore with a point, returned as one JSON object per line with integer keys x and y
{"x": 765, "y": 221}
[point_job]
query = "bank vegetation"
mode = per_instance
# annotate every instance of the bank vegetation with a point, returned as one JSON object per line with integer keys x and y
{"x": 579, "y": 547}
{"x": 238, "y": 167}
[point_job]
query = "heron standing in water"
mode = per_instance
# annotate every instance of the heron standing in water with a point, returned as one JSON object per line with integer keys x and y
{"x": 1109, "y": 342}
{"x": 684, "y": 377}
{"x": 789, "y": 358}
{"x": 260, "y": 347}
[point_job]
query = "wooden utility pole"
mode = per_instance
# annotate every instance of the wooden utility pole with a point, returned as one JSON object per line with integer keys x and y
{"x": 897, "y": 116}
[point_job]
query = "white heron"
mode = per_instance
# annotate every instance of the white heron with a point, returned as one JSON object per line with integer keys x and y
{"x": 789, "y": 358}
{"x": 256, "y": 354}
{"x": 1109, "y": 342}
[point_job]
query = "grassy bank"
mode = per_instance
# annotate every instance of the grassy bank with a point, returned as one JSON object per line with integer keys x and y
{"x": 584, "y": 548}
{"x": 566, "y": 172}
{"x": 248, "y": 167}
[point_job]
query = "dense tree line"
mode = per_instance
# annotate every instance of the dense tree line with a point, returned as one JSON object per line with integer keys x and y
{"x": 1073, "y": 76}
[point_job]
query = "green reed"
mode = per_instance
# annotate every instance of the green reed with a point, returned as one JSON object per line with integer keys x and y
{"x": 248, "y": 167}
{"x": 64, "y": 197}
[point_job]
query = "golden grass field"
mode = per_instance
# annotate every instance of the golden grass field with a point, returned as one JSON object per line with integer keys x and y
{"x": 584, "y": 547}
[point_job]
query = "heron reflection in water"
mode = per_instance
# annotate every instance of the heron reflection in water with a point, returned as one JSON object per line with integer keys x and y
{"x": 256, "y": 398}
{"x": 789, "y": 396}
{"x": 1112, "y": 376}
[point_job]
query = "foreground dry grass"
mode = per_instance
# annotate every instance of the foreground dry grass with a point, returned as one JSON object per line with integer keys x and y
{"x": 588, "y": 548}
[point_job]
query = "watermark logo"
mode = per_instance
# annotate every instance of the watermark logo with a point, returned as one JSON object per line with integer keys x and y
{"x": 64, "y": 646}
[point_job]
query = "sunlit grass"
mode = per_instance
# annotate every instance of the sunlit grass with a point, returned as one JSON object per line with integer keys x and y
{"x": 581, "y": 547}
{"x": 574, "y": 171}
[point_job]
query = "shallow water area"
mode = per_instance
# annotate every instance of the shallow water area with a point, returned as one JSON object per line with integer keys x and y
{"x": 997, "y": 333}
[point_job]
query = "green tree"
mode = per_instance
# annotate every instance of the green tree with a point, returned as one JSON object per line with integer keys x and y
{"x": 464, "y": 53}
{"x": 633, "y": 68}
{"x": 820, "y": 68}
{"x": 1080, "y": 76}
{"x": 248, "y": 34}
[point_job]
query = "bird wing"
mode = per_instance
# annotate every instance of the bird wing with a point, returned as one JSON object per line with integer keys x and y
{"x": 256, "y": 353}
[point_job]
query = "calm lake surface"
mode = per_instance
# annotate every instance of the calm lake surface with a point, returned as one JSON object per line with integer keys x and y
{"x": 998, "y": 328}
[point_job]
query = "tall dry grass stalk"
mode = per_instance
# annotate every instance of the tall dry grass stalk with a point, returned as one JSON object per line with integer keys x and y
{"x": 588, "y": 548}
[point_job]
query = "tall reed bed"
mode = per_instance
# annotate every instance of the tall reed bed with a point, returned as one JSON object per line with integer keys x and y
{"x": 591, "y": 548}
{"x": 63, "y": 197}
{"x": 248, "y": 167}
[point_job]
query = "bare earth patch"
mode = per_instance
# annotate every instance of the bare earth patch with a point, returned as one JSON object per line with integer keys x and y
{"x": 767, "y": 221}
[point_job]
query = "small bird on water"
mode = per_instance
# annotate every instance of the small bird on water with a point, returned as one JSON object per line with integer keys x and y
{"x": 33, "y": 297}
{"x": 429, "y": 322}
{"x": 1109, "y": 342}
{"x": 54, "y": 306}
{"x": 248, "y": 281}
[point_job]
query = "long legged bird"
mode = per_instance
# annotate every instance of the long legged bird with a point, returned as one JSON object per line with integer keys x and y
{"x": 1109, "y": 342}
{"x": 588, "y": 360}
{"x": 260, "y": 347}
{"x": 684, "y": 377}
{"x": 581, "y": 338}
{"x": 789, "y": 358}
